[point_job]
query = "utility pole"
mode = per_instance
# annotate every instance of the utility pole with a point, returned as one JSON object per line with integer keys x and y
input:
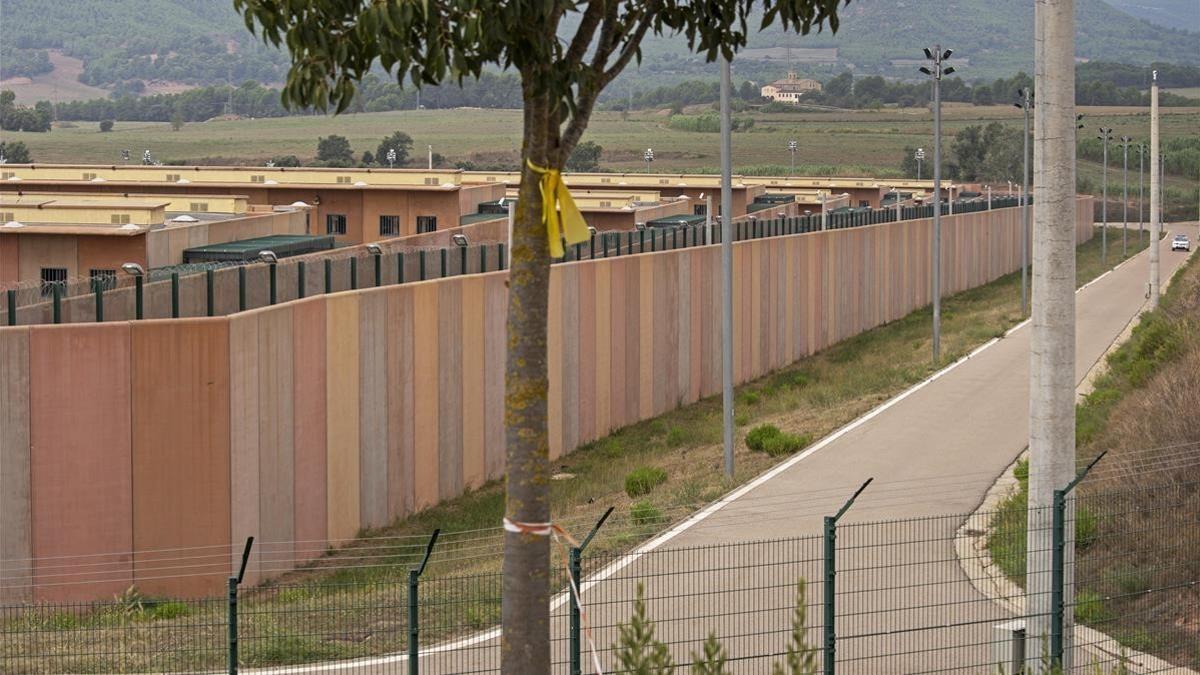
{"x": 1025, "y": 104}
{"x": 1141, "y": 193}
{"x": 919, "y": 155}
{"x": 792, "y": 146}
{"x": 1125, "y": 202}
{"x": 1155, "y": 192}
{"x": 1105, "y": 136}
{"x": 935, "y": 71}
{"x": 1052, "y": 348}
{"x": 726, "y": 269}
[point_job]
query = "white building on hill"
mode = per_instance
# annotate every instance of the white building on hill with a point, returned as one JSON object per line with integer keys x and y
{"x": 790, "y": 89}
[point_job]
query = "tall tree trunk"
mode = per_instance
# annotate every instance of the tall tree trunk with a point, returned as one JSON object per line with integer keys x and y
{"x": 525, "y": 646}
{"x": 1052, "y": 349}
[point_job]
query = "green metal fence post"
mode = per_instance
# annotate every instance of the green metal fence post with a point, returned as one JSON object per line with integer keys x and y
{"x": 444, "y": 257}
{"x": 378, "y": 269}
{"x": 503, "y": 260}
{"x": 462, "y": 255}
{"x": 829, "y": 587}
{"x": 174, "y": 295}
{"x": 641, "y": 241}
{"x": 98, "y": 289}
{"x": 241, "y": 288}
{"x": 138, "y": 296}
{"x": 353, "y": 273}
{"x": 234, "y": 582}
{"x": 576, "y": 568}
{"x": 272, "y": 283}
{"x": 328, "y": 276}
{"x": 12, "y": 306}
{"x": 1057, "y": 555}
{"x": 300, "y": 290}
{"x": 208, "y": 291}
{"x": 56, "y": 302}
{"x": 414, "y": 615}
{"x": 483, "y": 258}
{"x": 421, "y": 265}
{"x": 1058, "y": 549}
{"x": 830, "y": 639}
{"x": 400, "y": 267}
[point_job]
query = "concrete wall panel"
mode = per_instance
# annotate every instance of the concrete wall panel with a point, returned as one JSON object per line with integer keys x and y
{"x": 449, "y": 319}
{"x": 79, "y": 473}
{"x": 181, "y": 492}
{"x": 276, "y": 444}
{"x": 495, "y": 346}
{"x": 342, "y": 422}
{"x": 474, "y": 338}
{"x": 309, "y": 435}
{"x": 425, "y": 396}
{"x": 16, "y": 545}
{"x": 399, "y": 402}
{"x": 245, "y": 480}
{"x": 373, "y": 462}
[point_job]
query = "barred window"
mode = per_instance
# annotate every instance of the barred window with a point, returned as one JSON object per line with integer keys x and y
{"x": 389, "y": 226}
{"x": 335, "y": 223}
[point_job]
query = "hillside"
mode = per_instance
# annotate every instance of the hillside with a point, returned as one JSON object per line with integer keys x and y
{"x": 1183, "y": 14}
{"x": 146, "y": 46}
{"x": 126, "y": 45}
{"x": 993, "y": 39}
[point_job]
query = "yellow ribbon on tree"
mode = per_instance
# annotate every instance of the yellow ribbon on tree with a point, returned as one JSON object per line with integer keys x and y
{"x": 559, "y": 213}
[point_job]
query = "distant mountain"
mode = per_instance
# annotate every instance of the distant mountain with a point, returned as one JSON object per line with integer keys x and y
{"x": 1183, "y": 14}
{"x": 992, "y": 38}
{"x": 146, "y": 46}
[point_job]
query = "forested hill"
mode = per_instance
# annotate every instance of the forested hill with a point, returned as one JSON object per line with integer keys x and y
{"x": 144, "y": 46}
{"x": 122, "y": 42}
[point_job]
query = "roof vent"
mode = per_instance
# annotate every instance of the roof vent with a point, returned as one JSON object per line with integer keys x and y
{"x": 14, "y": 178}
{"x": 270, "y": 182}
{"x": 97, "y": 179}
{"x": 14, "y": 224}
{"x": 130, "y": 226}
{"x": 185, "y": 219}
{"x": 183, "y": 181}
{"x": 360, "y": 184}
{"x": 300, "y": 204}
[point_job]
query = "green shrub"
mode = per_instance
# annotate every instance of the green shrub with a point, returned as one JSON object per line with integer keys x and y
{"x": 636, "y": 648}
{"x": 757, "y": 438}
{"x": 749, "y": 397}
{"x": 645, "y": 513}
{"x": 785, "y": 444}
{"x": 676, "y": 437}
{"x": 643, "y": 479}
{"x": 769, "y": 439}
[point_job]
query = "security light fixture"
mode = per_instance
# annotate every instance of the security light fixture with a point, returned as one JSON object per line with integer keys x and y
{"x": 133, "y": 269}
{"x": 591, "y": 230}
{"x": 374, "y": 249}
{"x": 268, "y": 257}
{"x": 459, "y": 240}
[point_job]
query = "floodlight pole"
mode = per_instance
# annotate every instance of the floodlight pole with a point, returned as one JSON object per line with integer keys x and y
{"x": 1105, "y": 135}
{"x": 1125, "y": 200}
{"x": 935, "y": 72}
{"x": 726, "y": 271}
{"x": 1026, "y": 104}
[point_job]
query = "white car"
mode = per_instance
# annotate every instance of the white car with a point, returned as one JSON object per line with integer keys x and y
{"x": 1181, "y": 243}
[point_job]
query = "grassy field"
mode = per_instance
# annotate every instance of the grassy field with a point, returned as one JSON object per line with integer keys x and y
{"x": 850, "y": 141}
{"x": 351, "y": 602}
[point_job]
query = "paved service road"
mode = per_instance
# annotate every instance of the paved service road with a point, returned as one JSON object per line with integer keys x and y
{"x": 934, "y": 452}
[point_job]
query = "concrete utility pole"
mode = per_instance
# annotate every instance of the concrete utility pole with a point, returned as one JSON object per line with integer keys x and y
{"x": 726, "y": 269}
{"x": 1105, "y": 136}
{"x": 1125, "y": 140}
{"x": 1141, "y": 193}
{"x": 1025, "y": 104}
{"x": 1052, "y": 348}
{"x": 1155, "y": 193}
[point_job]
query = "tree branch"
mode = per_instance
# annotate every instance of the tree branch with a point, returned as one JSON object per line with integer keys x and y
{"x": 587, "y": 29}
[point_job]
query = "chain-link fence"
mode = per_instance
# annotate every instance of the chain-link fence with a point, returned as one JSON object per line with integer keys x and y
{"x": 1116, "y": 592}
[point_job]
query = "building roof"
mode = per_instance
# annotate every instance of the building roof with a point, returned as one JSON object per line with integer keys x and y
{"x": 282, "y": 245}
{"x": 233, "y": 177}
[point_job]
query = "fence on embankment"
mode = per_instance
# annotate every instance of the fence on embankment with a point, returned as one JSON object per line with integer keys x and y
{"x": 940, "y": 593}
{"x": 313, "y": 419}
